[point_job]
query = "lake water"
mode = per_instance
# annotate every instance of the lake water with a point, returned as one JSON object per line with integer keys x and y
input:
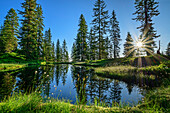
{"x": 72, "y": 83}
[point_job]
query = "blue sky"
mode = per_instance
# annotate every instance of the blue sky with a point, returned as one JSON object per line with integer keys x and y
{"x": 62, "y": 16}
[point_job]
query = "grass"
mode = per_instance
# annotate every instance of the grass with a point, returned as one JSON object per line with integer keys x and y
{"x": 11, "y": 67}
{"x": 155, "y": 101}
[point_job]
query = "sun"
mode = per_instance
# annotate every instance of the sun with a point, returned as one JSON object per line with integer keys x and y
{"x": 139, "y": 44}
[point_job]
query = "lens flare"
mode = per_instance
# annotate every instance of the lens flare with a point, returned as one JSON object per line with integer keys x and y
{"x": 139, "y": 44}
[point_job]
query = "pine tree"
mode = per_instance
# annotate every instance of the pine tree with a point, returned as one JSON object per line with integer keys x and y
{"x": 128, "y": 46}
{"x": 1, "y": 40}
{"x": 58, "y": 52}
{"x": 92, "y": 45}
{"x": 53, "y": 52}
{"x": 115, "y": 34}
{"x": 9, "y": 32}
{"x": 48, "y": 45}
{"x": 100, "y": 25}
{"x": 65, "y": 57}
{"x": 28, "y": 36}
{"x": 40, "y": 28}
{"x": 145, "y": 11}
{"x": 107, "y": 47}
{"x": 73, "y": 52}
{"x": 168, "y": 50}
{"x": 82, "y": 38}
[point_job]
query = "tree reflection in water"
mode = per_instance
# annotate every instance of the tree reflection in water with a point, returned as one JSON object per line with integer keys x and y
{"x": 86, "y": 85}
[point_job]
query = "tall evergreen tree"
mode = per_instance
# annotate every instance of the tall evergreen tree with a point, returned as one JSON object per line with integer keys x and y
{"x": 145, "y": 11}
{"x": 40, "y": 28}
{"x": 58, "y": 51}
{"x": 100, "y": 24}
{"x": 48, "y": 45}
{"x": 82, "y": 39}
{"x": 168, "y": 50}
{"x": 65, "y": 57}
{"x": 115, "y": 34}
{"x": 92, "y": 45}
{"x": 9, "y": 32}
{"x": 107, "y": 47}
{"x": 128, "y": 46}
{"x": 28, "y": 36}
{"x": 1, "y": 40}
{"x": 73, "y": 52}
{"x": 53, "y": 52}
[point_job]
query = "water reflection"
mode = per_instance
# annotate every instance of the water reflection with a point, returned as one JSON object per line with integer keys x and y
{"x": 68, "y": 82}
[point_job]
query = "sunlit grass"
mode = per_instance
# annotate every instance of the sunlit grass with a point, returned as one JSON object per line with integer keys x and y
{"x": 10, "y": 67}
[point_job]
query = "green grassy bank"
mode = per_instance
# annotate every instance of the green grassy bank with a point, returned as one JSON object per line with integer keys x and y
{"x": 155, "y": 101}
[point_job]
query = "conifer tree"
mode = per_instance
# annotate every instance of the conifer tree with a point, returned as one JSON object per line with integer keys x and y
{"x": 1, "y": 40}
{"x": 107, "y": 47}
{"x": 145, "y": 11}
{"x": 128, "y": 46}
{"x": 100, "y": 25}
{"x": 48, "y": 45}
{"x": 9, "y": 32}
{"x": 58, "y": 51}
{"x": 28, "y": 36}
{"x": 73, "y": 52}
{"x": 53, "y": 52}
{"x": 40, "y": 28}
{"x": 82, "y": 38}
{"x": 78, "y": 45}
{"x": 168, "y": 50}
{"x": 115, "y": 34}
{"x": 92, "y": 45}
{"x": 65, "y": 57}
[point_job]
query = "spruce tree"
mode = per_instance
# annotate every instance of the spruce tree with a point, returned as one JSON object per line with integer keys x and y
{"x": 128, "y": 46}
{"x": 53, "y": 52}
{"x": 92, "y": 45}
{"x": 48, "y": 45}
{"x": 1, "y": 40}
{"x": 40, "y": 28}
{"x": 58, "y": 51}
{"x": 73, "y": 53}
{"x": 82, "y": 39}
{"x": 9, "y": 32}
{"x": 115, "y": 34}
{"x": 107, "y": 47}
{"x": 145, "y": 11}
{"x": 28, "y": 36}
{"x": 168, "y": 50}
{"x": 100, "y": 25}
{"x": 65, "y": 57}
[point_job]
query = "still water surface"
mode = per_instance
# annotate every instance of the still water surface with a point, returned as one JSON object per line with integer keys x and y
{"x": 72, "y": 83}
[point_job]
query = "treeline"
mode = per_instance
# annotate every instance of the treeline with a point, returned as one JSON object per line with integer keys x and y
{"x": 103, "y": 39}
{"x": 29, "y": 39}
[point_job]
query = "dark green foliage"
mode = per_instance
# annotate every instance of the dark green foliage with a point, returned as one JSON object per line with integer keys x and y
{"x": 58, "y": 51}
{"x": 115, "y": 35}
{"x": 48, "y": 45}
{"x": 28, "y": 34}
{"x": 145, "y": 11}
{"x": 40, "y": 28}
{"x": 53, "y": 52}
{"x": 92, "y": 45}
{"x": 65, "y": 57}
{"x": 128, "y": 46}
{"x": 107, "y": 48}
{"x": 100, "y": 25}
{"x": 168, "y": 50}
{"x": 9, "y": 32}
{"x": 81, "y": 40}
{"x": 73, "y": 53}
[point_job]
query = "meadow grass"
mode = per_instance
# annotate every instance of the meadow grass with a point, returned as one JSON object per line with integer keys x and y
{"x": 155, "y": 101}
